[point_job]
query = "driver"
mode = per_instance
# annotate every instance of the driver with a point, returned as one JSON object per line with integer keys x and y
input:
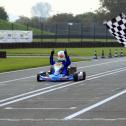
{"x": 62, "y": 58}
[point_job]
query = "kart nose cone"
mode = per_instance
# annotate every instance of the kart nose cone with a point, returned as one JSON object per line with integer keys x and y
{"x": 56, "y": 73}
{"x": 54, "y": 78}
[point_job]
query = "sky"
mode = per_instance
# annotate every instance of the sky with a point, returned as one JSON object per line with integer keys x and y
{"x": 16, "y": 8}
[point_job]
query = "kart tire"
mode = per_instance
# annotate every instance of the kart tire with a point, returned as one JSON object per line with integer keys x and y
{"x": 84, "y": 75}
{"x": 38, "y": 75}
{"x": 43, "y": 74}
{"x": 75, "y": 77}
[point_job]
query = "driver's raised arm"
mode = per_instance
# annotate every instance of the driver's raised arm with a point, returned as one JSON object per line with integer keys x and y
{"x": 52, "y": 62}
{"x": 68, "y": 62}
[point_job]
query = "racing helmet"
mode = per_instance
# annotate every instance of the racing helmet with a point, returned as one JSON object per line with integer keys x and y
{"x": 61, "y": 56}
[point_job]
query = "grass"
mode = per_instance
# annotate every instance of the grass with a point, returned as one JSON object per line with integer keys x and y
{"x": 71, "y": 51}
{"x": 73, "y": 40}
{"x": 11, "y": 64}
{"x": 5, "y": 25}
{"x": 90, "y": 51}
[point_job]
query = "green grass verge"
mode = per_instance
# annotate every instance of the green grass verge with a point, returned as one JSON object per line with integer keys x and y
{"x": 71, "y": 51}
{"x": 11, "y": 64}
{"x": 5, "y": 25}
{"x": 74, "y": 40}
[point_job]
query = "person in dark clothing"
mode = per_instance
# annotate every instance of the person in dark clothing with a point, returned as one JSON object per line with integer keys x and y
{"x": 63, "y": 58}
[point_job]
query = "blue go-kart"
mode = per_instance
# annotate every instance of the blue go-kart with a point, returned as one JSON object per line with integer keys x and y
{"x": 72, "y": 74}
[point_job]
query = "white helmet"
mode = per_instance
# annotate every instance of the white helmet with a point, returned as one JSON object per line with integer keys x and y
{"x": 61, "y": 56}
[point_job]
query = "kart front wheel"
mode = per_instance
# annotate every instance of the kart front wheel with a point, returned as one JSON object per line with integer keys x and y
{"x": 75, "y": 77}
{"x": 38, "y": 76}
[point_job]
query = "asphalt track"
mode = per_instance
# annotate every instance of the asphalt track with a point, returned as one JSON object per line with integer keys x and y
{"x": 100, "y": 100}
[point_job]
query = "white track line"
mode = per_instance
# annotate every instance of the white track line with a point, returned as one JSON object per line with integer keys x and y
{"x": 102, "y": 63}
{"x": 94, "y": 105}
{"x": 51, "y": 87}
{"x": 88, "y": 66}
{"x": 106, "y": 72}
{"x": 11, "y": 108}
{"x": 57, "y": 88}
{"x": 31, "y": 92}
{"x": 16, "y": 79}
{"x": 35, "y": 91}
{"x": 55, "y": 119}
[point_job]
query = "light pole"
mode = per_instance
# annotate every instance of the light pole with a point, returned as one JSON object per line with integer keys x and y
{"x": 56, "y": 32}
{"x": 69, "y": 25}
{"x": 94, "y": 27}
{"x": 41, "y": 28}
{"x": 81, "y": 33}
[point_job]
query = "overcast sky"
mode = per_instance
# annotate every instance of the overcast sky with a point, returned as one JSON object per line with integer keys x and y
{"x": 23, "y": 7}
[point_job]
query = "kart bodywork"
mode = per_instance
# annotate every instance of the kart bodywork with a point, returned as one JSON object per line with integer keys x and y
{"x": 72, "y": 74}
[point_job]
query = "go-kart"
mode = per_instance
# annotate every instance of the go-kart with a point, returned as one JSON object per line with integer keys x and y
{"x": 72, "y": 74}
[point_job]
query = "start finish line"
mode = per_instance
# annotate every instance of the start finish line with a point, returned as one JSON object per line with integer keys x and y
{"x": 14, "y": 36}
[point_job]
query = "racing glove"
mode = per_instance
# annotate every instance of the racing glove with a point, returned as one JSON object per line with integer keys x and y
{"x": 52, "y": 52}
{"x": 65, "y": 52}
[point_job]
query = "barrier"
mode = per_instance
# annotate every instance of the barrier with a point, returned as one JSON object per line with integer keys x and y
{"x": 121, "y": 53}
{"x": 116, "y": 53}
{"x": 110, "y": 54}
{"x": 103, "y": 55}
{"x": 95, "y": 55}
{"x": 59, "y": 45}
{"x": 3, "y": 54}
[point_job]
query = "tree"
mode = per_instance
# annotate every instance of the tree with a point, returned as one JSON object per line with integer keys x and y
{"x": 41, "y": 10}
{"x": 23, "y": 20}
{"x": 35, "y": 22}
{"x": 86, "y": 18}
{"x": 63, "y": 17}
{"x": 113, "y": 7}
{"x": 102, "y": 15}
{"x": 3, "y": 14}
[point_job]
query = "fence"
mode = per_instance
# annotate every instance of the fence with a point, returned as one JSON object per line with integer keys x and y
{"x": 94, "y": 34}
{"x": 59, "y": 45}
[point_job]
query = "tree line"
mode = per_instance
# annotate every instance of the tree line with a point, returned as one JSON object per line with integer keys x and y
{"x": 107, "y": 10}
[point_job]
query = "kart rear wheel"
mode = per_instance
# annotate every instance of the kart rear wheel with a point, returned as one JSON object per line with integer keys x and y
{"x": 75, "y": 77}
{"x": 84, "y": 75}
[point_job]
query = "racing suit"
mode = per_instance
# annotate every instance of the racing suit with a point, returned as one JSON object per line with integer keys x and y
{"x": 65, "y": 63}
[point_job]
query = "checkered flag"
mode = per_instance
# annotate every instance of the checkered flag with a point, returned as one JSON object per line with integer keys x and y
{"x": 117, "y": 27}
